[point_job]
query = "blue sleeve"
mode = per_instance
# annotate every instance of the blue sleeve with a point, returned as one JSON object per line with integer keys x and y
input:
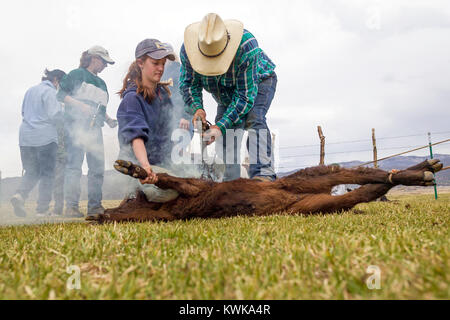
{"x": 132, "y": 124}
{"x": 52, "y": 104}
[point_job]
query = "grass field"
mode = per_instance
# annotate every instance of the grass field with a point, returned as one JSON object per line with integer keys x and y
{"x": 275, "y": 257}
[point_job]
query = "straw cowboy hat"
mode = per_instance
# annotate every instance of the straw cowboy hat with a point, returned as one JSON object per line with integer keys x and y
{"x": 212, "y": 44}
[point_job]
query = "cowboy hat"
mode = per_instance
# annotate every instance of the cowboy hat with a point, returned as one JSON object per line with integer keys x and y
{"x": 212, "y": 43}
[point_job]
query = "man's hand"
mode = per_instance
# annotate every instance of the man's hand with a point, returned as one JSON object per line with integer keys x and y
{"x": 152, "y": 178}
{"x": 112, "y": 123}
{"x": 199, "y": 113}
{"x": 184, "y": 124}
{"x": 212, "y": 134}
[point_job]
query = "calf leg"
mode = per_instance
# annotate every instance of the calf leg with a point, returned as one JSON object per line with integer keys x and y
{"x": 433, "y": 165}
{"x": 187, "y": 186}
{"x": 325, "y": 203}
{"x": 331, "y": 176}
{"x": 418, "y": 175}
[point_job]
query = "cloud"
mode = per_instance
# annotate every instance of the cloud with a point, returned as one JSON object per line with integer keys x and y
{"x": 346, "y": 65}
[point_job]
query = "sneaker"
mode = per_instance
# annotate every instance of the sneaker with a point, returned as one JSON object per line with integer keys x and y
{"x": 18, "y": 204}
{"x": 73, "y": 213}
{"x": 263, "y": 178}
{"x": 97, "y": 210}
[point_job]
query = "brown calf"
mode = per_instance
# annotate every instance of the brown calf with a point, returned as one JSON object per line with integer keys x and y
{"x": 306, "y": 191}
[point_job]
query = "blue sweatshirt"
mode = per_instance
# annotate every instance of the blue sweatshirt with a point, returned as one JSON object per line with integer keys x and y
{"x": 153, "y": 122}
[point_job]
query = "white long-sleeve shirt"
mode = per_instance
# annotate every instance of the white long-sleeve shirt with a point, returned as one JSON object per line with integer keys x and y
{"x": 39, "y": 109}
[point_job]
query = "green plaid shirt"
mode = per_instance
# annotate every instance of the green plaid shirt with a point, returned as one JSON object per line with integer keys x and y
{"x": 237, "y": 88}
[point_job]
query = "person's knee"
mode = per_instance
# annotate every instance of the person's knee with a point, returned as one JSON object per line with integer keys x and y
{"x": 256, "y": 120}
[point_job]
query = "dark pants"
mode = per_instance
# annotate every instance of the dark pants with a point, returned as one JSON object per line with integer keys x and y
{"x": 259, "y": 143}
{"x": 58, "y": 190}
{"x": 79, "y": 141}
{"x": 39, "y": 166}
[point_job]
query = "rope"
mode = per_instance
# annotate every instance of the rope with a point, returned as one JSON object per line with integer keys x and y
{"x": 399, "y": 154}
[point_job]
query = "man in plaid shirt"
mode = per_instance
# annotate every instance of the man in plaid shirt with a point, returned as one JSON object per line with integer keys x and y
{"x": 224, "y": 59}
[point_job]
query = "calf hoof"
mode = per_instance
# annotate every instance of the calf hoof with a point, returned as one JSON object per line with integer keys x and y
{"x": 130, "y": 169}
{"x": 435, "y": 165}
{"x": 428, "y": 178}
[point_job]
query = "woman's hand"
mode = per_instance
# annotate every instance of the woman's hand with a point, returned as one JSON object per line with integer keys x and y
{"x": 152, "y": 178}
{"x": 184, "y": 124}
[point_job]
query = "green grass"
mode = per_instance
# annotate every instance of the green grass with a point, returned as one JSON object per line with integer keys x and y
{"x": 274, "y": 257}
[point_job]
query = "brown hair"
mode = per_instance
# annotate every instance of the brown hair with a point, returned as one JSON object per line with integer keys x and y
{"x": 134, "y": 76}
{"x": 53, "y": 75}
{"x": 85, "y": 59}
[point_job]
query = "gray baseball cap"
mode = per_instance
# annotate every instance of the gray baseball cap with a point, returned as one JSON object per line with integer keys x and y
{"x": 154, "y": 49}
{"x": 102, "y": 53}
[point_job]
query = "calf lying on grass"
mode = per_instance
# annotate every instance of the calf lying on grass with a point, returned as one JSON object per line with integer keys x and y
{"x": 305, "y": 191}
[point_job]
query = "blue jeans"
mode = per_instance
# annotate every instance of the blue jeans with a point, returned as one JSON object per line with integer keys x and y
{"x": 39, "y": 165}
{"x": 259, "y": 145}
{"x": 81, "y": 140}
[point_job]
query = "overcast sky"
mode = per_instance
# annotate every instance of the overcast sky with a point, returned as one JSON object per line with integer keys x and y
{"x": 348, "y": 65}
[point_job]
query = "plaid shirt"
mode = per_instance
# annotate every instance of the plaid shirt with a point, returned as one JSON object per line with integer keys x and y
{"x": 237, "y": 88}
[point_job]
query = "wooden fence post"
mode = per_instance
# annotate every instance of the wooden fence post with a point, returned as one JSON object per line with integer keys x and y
{"x": 374, "y": 142}
{"x": 322, "y": 146}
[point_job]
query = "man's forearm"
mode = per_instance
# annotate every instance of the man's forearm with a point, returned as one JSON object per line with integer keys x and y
{"x": 68, "y": 100}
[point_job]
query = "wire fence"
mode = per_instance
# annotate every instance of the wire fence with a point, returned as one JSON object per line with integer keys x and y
{"x": 365, "y": 140}
{"x": 408, "y": 147}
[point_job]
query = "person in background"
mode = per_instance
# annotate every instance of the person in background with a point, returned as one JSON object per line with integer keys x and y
{"x": 144, "y": 117}
{"x": 85, "y": 97}
{"x": 225, "y": 59}
{"x": 38, "y": 142}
